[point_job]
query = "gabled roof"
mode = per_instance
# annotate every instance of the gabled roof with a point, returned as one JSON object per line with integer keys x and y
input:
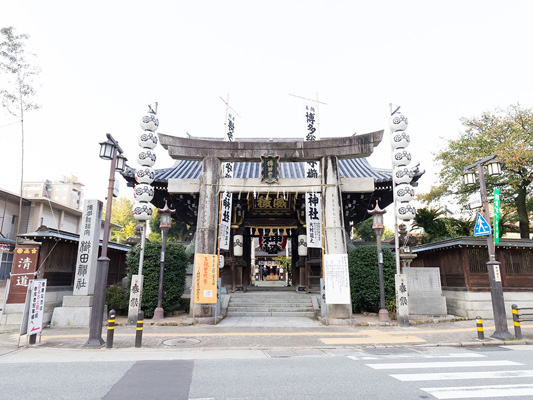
{"x": 348, "y": 168}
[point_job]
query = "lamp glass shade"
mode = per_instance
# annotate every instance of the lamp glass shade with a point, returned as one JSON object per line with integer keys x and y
{"x": 494, "y": 168}
{"x": 469, "y": 178}
{"x": 106, "y": 150}
{"x": 121, "y": 163}
{"x": 238, "y": 245}
{"x": 302, "y": 245}
{"x": 377, "y": 221}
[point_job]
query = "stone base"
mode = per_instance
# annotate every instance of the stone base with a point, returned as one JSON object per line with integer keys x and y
{"x": 471, "y": 304}
{"x": 12, "y": 314}
{"x": 419, "y": 304}
{"x": 75, "y": 317}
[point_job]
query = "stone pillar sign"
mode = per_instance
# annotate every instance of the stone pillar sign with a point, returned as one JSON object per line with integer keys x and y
{"x": 88, "y": 248}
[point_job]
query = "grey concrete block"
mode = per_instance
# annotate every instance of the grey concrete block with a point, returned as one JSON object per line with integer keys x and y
{"x": 77, "y": 301}
{"x": 78, "y": 317}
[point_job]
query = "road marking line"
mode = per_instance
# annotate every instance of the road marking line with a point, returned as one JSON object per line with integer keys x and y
{"x": 443, "y": 364}
{"x": 463, "y": 375}
{"x": 374, "y": 336}
{"x": 468, "y": 392}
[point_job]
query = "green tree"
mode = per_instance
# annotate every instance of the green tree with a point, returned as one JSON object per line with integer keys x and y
{"x": 365, "y": 231}
{"x": 177, "y": 232}
{"x": 437, "y": 226}
{"x": 122, "y": 215}
{"x": 506, "y": 133}
{"x": 17, "y": 89}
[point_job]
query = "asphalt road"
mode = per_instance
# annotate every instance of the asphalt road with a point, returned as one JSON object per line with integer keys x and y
{"x": 378, "y": 373}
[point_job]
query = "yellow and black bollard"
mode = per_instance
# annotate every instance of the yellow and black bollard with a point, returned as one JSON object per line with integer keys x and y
{"x": 479, "y": 323}
{"x": 110, "y": 330}
{"x": 139, "y": 332}
{"x": 516, "y": 322}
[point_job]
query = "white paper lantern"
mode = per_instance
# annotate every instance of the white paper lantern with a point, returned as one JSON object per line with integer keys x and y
{"x": 146, "y": 157}
{"x": 149, "y": 122}
{"x": 405, "y": 211}
{"x": 142, "y": 211}
{"x": 402, "y": 175}
{"x": 401, "y": 157}
{"x": 143, "y": 192}
{"x": 399, "y": 139}
{"x": 144, "y": 175}
{"x": 147, "y": 140}
{"x": 302, "y": 245}
{"x": 398, "y": 122}
{"x": 238, "y": 245}
{"x": 404, "y": 192}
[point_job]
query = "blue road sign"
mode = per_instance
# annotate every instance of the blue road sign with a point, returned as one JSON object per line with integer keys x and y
{"x": 482, "y": 228}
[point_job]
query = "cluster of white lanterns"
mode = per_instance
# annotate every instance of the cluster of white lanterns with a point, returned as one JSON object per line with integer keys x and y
{"x": 402, "y": 175}
{"x": 145, "y": 175}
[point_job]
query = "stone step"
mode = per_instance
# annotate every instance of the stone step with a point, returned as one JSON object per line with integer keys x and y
{"x": 256, "y": 304}
{"x": 265, "y": 299}
{"x": 270, "y": 309}
{"x": 270, "y": 314}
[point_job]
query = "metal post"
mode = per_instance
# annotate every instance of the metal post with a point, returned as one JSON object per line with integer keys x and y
{"x": 102, "y": 267}
{"x": 383, "y": 315}
{"x": 159, "y": 313}
{"x": 493, "y": 266}
{"x": 516, "y": 322}
{"x": 110, "y": 329}
{"x": 139, "y": 330}
{"x": 479, "y": 325}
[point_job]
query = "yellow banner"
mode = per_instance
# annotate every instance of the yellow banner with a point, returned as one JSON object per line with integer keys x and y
{"x": 205, "y": 278}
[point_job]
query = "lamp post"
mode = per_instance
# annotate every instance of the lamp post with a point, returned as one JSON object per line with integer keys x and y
{"x": 377, "y": 225}
{"x": 493, "y": 266}
{"x": 109, "y": 150}
{"x": 165, "y": 225}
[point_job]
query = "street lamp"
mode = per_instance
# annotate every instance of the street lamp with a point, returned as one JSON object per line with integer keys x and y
{"x": 109, "y": 150}
{"x": 377, "y": 225}
{"x": 165, "y": 225}
{"x": 493, "y": 266}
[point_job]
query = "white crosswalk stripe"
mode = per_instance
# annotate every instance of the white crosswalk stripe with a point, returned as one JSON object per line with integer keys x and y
{"x": 455, "y": 370}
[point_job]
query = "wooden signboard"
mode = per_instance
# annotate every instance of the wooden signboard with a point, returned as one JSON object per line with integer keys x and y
{"x": 25, "y": 264}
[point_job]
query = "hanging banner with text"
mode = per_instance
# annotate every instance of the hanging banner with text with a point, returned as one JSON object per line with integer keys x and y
{"x": 337, "y": 279}
{"x": 313, "y": 219}
{"x": 225, "y": 220}
{"x": 312, "y": 168}
{"x": 205, "y": 278}
{"x": 228, "y": 167}
{"x": 496, "y": 215}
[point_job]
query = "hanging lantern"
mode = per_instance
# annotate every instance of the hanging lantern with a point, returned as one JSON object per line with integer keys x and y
{"x": 402, "y": 175}
{"x": 149, "y": 122}
{"x": 272, "y": 244}
{"x": 401, "y": 157}
{"x": 145, "y": 175}
{"x": 399, "y": 139}
{"x": 238, "y": 245}
{"x": 146, "y": 157}
{"x": 143, "y": 192}
{"x": 398, "y": 122}
{"x": 405, "y": 211}
{"x": 302, "y": 245}
{"x": 142, "y": 211}
{"x": 404, "y": 192}
{"x": 147, "y": 140}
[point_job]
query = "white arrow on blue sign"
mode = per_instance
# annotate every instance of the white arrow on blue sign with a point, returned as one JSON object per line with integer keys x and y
{"x": 482, "y": 228}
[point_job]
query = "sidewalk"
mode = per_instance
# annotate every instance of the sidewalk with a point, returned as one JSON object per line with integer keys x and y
{"x": 263, "y": 333}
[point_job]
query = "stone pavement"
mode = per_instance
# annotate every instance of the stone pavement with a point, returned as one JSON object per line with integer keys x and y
{"x": 270, "y": 333}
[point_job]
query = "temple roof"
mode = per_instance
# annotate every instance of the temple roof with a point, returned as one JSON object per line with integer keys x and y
{"x": 348, "y": 168}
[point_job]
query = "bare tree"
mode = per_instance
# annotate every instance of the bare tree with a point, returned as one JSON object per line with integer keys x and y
{"x": 18, "y": 90}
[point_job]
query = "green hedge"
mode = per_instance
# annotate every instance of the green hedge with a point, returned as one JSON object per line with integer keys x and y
{"x": 173, "y": 280}
{"x": 364, "y": 277}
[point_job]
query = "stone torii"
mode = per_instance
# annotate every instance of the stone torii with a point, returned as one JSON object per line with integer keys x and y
{"x": 213, "y": 152}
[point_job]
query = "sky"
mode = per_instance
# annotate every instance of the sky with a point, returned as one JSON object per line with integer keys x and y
{"x": 103, "y": 62}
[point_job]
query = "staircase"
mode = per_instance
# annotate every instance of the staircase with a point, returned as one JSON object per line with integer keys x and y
{"x": 270, "y": 304}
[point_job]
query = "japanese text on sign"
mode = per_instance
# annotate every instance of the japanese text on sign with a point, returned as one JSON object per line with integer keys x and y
{"x": 205, "y": 278}
{"x": 311, "y": 167}
{"x": 225, "y": 220}
{"x": 313, "y": 219}
{"x": 337, "y": 280}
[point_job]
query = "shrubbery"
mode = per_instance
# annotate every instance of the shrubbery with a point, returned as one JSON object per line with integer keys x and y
{"x": 364, "y": 277}
{"x": 117, "y": 299}
{"x": 173, "y": 280}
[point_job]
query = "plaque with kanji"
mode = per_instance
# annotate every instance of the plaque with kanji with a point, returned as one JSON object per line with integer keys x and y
{"x": 269, "y": 169}
{"x": 24, "y": 267}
